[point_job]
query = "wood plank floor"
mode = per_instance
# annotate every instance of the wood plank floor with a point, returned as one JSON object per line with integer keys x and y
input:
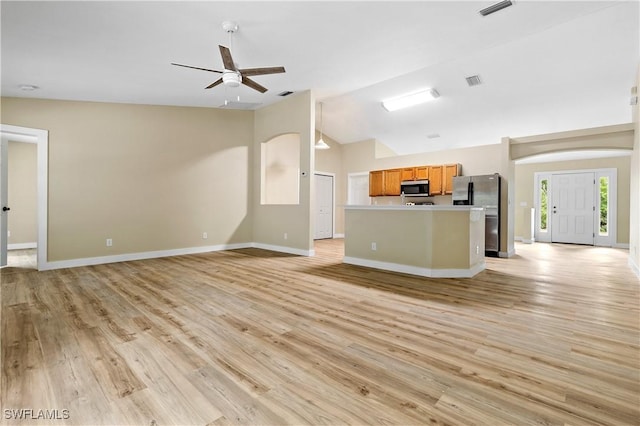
{"x": 249, "y": 336}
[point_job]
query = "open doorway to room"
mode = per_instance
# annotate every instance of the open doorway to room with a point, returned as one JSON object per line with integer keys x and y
{"x": 32, "y": 242}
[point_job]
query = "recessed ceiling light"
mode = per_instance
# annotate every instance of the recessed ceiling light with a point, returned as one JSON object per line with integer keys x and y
{"x": 410, "y": 99}
{"x": 28, "y": 87}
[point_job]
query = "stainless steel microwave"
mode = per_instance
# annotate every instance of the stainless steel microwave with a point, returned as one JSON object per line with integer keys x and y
{"x": 415, "y": 188}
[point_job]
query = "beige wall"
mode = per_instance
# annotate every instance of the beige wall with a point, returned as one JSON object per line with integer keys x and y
{"x": 525, "y": 190}
{"x": 22, "y": 192}
{"x": 149, "y": 177}
{"x": 330, "y": 161}
{"x": 634, "y": 240}
{"x": 293, "y": 114}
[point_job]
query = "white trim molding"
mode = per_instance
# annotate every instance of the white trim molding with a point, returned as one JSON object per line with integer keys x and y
{"x": 283, "y": 249}
{"x": 634, "y": 267}
{"x": 416, "y": 270}
{"x": 22, "y": 246}
{"x": 88, "y": 261}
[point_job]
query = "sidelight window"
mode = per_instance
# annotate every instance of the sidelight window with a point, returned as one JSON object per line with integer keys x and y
{"x": 604, "y": 205}
{"x": 544, "y": 205}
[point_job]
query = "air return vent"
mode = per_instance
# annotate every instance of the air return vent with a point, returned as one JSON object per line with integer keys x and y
{"x": 473, "y": 80}
{"x": 496, "y": 7}
{"x": 285, "y": 93}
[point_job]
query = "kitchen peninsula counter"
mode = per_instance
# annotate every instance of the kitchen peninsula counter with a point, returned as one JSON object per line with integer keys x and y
{"x": 425, "y": 240}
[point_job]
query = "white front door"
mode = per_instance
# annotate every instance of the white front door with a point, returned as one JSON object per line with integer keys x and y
{"x": 324, "y": 207}
{"x": 572, "y": 208}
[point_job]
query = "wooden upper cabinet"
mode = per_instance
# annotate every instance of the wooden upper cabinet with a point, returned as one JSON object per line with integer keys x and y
{"x": 450, "y": 171}
{"x": 435, "y": 180}
{"x": 421, "y": 173}
{"x": 376, "y": 183}
{"x": 409, "y": 173}
{"x": 384, "y": 182}
{"x": 387, "y": 182}
{"x": 392, "y": 179}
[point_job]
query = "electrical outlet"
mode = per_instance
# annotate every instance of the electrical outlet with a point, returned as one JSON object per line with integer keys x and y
{"x": 109, "y": 242}
{"x": 374, "y": 246}
{"x": 204, "y": 236}
{"x": 8, "y": 234}
{"x": 477, "y": 249}
{"x": 285, "y": 236}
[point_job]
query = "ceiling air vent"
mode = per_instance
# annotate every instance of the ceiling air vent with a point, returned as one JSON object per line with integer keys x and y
{"x": 433, "y": 136}
{"x": 496, "y": 7}
{"x": 473, "y": 80}
{"x": 285, "y": 93}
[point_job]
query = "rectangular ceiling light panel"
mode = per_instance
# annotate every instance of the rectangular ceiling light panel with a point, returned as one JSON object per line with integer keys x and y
{"x": 410, "y": 99}
{"x": 496, "y": 7}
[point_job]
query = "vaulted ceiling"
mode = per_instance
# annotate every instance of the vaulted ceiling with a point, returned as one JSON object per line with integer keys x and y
{"x": 545, "y": 66}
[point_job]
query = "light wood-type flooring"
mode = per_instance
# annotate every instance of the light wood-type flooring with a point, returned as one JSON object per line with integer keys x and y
{"x": 549, "y": 337}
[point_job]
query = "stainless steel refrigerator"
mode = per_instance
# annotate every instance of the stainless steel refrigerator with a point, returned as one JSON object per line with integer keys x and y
{"x": 482, "y": 191}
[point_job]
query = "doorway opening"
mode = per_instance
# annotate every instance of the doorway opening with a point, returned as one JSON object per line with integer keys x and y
{"x": 41, "y": 139}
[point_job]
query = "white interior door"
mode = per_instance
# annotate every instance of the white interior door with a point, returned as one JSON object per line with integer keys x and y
{"x": 4, "y": 212}
{"x": 324, "y": 207}
{"x": 573, "y": 208}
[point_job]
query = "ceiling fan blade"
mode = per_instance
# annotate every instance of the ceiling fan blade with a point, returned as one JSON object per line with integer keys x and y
{"x": 262, "y": 71}
{"x": 196, "y": 68}
{"x": 214, "y": 84}
{"x": 248, "y": 82}
{"x": 227, "y": 60}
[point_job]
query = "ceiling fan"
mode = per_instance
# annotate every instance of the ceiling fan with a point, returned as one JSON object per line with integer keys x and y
{"x": 233, "y": 76}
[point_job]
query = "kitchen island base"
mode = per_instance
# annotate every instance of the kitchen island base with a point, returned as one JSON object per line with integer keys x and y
{"x": 429, "y": 241}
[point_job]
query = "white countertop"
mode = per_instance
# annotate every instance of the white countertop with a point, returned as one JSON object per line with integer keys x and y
{"x": 441, "y": 207}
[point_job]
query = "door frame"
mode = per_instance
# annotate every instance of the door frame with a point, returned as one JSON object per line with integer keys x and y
{"x": 350, "y": 184}
{"x": 41, "y": 137}
{"x": 333, "y": 201}
{"x": 610, "y": 240}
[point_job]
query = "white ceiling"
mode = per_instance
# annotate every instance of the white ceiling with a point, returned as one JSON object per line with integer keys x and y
{"x": 546, "y": 66}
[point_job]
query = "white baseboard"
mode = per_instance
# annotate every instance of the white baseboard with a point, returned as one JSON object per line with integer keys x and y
{"x": 416, "y": 270}
{"x": 524, "y": 240}
{"x": 22, "y": 246}
{"x": 338, "y": 235}
{"x": 507, "y": 254}
{"x": 87, "y": 261}
{"x": 634, "y": 267}
{"x": 621, "y": 245}
{"x": 283, "y": 249}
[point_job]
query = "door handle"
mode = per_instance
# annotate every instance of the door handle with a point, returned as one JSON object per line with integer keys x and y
{"x": 6, "y": 209}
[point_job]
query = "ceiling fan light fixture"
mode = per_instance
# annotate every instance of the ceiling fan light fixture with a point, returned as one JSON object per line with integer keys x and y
{"x": 231, "y": 79}
{"x": 410, "y": 99}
